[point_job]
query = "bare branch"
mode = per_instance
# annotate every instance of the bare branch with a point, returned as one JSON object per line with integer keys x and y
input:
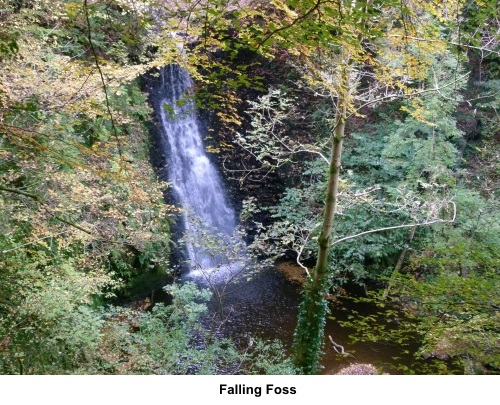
{"x": 408, "y": 95}
{"x": 299, "y": 253}
{"x": 336, "y": 346}
{"x": 426, "y": 223}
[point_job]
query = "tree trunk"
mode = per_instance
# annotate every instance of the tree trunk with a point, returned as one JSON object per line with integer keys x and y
{"x": 399, "y": 264}
{"x": 331, "y": 194}
{"x": 309, "y": 337}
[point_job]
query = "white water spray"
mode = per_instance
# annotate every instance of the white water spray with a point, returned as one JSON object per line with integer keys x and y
{"x": 208, "y": 216}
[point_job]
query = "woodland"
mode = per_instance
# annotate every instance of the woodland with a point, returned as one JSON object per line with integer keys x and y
{"x": 358, "y": 141}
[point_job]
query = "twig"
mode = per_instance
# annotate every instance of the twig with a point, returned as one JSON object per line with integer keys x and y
{"x": 406, "y": 95}
{"x": 105, "y": 88}
{"x": 285, "y": 27}
{"x": 336, "y": 347}
{"x": 482, "y": 49}
{"x": 299, "y": 253}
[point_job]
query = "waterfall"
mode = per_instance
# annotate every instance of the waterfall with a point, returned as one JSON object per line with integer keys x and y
{"x": 208, "y": 219}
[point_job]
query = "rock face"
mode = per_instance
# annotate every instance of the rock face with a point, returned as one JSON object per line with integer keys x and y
{"x": 359, "y": 369}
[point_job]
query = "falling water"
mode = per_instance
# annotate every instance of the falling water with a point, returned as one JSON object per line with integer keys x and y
{"x": 208, "y": 217}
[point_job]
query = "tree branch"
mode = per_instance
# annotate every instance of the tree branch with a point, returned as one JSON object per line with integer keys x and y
{"x": 30, "y": 243}
{"x": 336, "y": 346}
{"x": 40, "y": 200}
{"x": 299, "y": 253}
{"x": 285, "y": 27}
{"x": 417, "y": 93}
{"x": 450, "y": 42}
{"x": 401, "y": 226}
{"x": 26, "y": 194}
{"x": 94, "y": 53}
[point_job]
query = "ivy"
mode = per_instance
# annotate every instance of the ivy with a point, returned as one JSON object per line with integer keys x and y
{"x": 309, "y": 333}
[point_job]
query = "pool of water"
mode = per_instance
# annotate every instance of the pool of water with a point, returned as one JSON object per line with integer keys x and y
{"x": 266, "y": 307}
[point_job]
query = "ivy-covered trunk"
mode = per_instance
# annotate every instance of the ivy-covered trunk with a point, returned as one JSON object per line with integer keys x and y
{"x": 308, "y": 341}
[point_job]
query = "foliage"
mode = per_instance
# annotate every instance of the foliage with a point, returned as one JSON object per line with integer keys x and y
{"x": 458, "y": 317}
{"x": 174, "y": 339}
{"x": 471, "y": 245}
{"x": 308, "y": 338}
{"x": 453, "y": 318}
{"x": 446, "y": 300}
{"x": 84, "y": 220}
{"x": 82, "y": 216}
{"x": 171, "y": 340}
{"x": 357, "y": 56}
{"x": 376, "y": 193}
{"x": 268, "y": 358}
